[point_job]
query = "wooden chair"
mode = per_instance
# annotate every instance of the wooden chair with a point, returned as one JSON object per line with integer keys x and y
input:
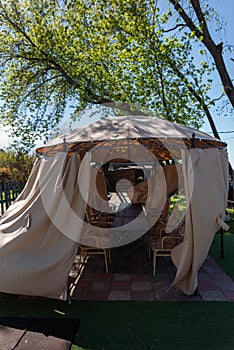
{"x": 91, "y": 247}
{"x": 160, "y": 224}
{"x": 99, "y": 218}
{"x": 163, "y": 245}
{"x": 96, "y": 241}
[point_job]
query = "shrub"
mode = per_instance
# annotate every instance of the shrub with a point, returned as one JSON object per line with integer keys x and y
{"x": 15, "y": 166}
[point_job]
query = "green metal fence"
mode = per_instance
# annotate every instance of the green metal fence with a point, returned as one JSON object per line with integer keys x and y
{"x": 9, "y": 191}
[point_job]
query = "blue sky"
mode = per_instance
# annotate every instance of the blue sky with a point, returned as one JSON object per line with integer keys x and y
{"x": 225, "y": 9}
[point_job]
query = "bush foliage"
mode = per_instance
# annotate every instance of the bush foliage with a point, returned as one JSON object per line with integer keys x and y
{"x": 15, "y": 165}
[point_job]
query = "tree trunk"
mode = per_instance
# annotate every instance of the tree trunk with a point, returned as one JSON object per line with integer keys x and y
{"x": 204, "y": 36}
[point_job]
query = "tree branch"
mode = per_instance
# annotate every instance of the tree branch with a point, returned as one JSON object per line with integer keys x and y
{"x": 206, "y": 39}
{"x": 174, "y": 28}
{"x": 189, "y": 23}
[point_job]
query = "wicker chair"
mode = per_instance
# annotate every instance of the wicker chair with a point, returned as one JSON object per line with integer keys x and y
{"x": 160, "y": 224}
{"x": 163, "y": 245}
{"x": 95, "y": 240}
{"x": 91, "y": 247}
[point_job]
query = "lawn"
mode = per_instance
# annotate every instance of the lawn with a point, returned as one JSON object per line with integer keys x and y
{"x": 226, "y": 263}
{"x": 124, "y": 325}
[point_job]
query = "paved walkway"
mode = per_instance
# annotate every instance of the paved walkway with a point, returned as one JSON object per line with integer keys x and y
{"x": 131, "y": 278}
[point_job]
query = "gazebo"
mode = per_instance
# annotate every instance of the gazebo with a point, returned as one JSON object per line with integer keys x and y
{"x": 40, "y": 232}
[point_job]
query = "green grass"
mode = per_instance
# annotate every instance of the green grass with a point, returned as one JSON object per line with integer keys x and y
{"x": 13, "y": 306}
{"x": 179, "y": 200}
{"x": 151, "y": 326}
{"x": 124, "y": 325}
{"x": 226, "y": 263}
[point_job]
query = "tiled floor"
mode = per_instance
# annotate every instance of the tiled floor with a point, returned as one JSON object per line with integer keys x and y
{"x": 130, "y": 278}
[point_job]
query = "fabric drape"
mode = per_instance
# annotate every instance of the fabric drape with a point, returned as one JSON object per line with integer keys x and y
{"x": 206, "y": 184}
{"x": 39, "y": 232}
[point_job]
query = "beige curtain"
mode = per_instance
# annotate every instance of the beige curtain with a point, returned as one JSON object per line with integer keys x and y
{"x": 206, "y": 184}
{"x": 174, "y": 178}
{"x": 98, "y": 198}
{"x": 39, "y": 232}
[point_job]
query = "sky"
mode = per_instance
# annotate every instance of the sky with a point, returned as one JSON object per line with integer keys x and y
{"x": 225, "y": 8}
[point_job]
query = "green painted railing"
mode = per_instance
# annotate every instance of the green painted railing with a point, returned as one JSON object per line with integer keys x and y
{"x": 9, "y": 191}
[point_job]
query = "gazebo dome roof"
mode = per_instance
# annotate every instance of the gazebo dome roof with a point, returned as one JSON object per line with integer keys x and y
{"x": 154, "y": 133}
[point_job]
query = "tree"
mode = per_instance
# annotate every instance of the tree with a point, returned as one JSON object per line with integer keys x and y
{"x": 199, "y": 28}
{"x": 15, "y": 166}
{"x": 174, "y": 70}
{"x": 63, "y": 54}
{"x": 197, "y": 22}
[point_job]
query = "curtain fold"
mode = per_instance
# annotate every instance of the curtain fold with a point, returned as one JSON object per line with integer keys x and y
{"x": 39, "y": 232}
{"x": 206, "y": 185}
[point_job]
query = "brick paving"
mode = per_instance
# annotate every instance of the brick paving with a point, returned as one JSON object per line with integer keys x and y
{"x": 131, "y": 278}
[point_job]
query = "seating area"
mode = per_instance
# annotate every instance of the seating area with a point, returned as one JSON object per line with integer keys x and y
{"x": 142, "y": 269}
{"x": 161, "y": 238}
{"x": 130, "y": 277}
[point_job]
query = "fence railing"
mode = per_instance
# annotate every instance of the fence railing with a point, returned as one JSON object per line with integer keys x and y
{"x": 9, "y": 191}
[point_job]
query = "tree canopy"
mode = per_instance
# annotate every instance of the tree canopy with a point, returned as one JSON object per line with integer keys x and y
{"x": 59, "y": 56}
{"x": 15, "y": 166}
